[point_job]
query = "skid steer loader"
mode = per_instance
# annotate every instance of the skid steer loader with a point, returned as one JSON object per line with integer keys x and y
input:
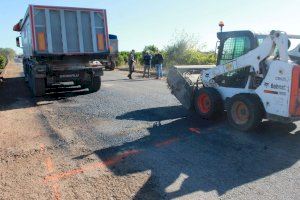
{"x": 256, "y": 77}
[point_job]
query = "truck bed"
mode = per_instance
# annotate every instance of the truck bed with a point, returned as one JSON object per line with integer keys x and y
{"x": 49, "y": 30}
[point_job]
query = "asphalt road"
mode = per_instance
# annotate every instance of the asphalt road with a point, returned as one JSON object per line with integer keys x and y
{"x": 133, "y": 140}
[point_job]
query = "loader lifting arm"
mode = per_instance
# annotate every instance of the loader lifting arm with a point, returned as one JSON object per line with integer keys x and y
{"x": 253, "y": 59}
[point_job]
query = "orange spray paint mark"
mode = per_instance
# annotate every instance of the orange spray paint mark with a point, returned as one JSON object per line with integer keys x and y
{"x": 49, "y": 165}
{"x": 195, "y": 130}
{"x": 167, "y": 142}
{"x": 42, "y": 147}
{"x": 55, "y": 189}
{"x": 107, "y": 163}
{"x": 50, "y": 169}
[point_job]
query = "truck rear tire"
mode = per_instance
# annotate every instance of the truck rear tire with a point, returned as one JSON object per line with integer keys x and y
{"x": 208, "y": 103}
{"x": 25, "y": 72}
{"x": 244, "y": 112}
{"x": 38, "y": 87}
{"x": 95, "y": 84}
{"x": 113, "y": 65}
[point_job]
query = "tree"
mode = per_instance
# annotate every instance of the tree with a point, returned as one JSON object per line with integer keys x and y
{"x": 8, "y": 52}
{"x": 152, "y": 49}
{"x": 185, "y": 51}
{"x": 122, "y": 58}
{"x": 3, "y": 61}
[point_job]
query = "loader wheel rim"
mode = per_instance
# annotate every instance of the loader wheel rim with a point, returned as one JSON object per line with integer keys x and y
{"x": 240, "y": 113}
{"x": 204, "y": 103}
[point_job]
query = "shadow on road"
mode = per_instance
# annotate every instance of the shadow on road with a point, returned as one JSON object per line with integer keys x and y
{"x": 215, "y": 158}
{"x": 156, "y": 114}
{"x": 54, "y": 94}
{"x": 14, "y": 94}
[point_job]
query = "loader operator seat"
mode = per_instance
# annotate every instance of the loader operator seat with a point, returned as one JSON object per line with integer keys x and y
{"x": 233, "y": 45}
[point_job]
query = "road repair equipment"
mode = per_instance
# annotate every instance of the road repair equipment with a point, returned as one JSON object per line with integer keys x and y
{"x": 256, "y": 77}
{"x": 65, "y": 45}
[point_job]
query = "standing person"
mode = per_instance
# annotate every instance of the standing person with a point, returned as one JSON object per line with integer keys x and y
{"x": 147, "y": 63}
{"x": 131, "y": 61}
{"x": 159, "y": 60}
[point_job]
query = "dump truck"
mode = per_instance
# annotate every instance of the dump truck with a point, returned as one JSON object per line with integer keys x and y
{"x": 256, "y": 77}
{"x": 65, "y": 45}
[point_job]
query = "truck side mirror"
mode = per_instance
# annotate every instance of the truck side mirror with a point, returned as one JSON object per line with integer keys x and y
{"x": 18, "y": 43}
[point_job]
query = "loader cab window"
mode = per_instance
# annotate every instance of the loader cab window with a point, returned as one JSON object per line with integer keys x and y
{"x": 234, "y": 47}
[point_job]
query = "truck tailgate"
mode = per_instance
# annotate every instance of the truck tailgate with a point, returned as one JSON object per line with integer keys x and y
{"x": 60, "y": 30}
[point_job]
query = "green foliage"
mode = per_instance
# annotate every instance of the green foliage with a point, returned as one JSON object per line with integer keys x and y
{"x": 152, "y": 49}
{"x": 3, "y": 61}
{"x": 139, "y": 58}
{"x": 196, "y": 57}
{"x": 184, "y": 50}
{"x": 8, "y": 52}
{"x": 122, "y": 58}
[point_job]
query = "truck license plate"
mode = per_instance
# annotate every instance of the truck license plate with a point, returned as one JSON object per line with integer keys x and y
{"x": 69, "y": 76}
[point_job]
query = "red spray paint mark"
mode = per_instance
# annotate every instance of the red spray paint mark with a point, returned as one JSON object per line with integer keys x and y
{"x": 195, "y": 130}
{"x": 167, "y": 142}
{"x": 107, "y": 163}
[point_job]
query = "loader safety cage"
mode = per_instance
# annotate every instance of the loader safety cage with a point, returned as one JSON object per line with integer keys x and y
{"x": 235, "y": 44}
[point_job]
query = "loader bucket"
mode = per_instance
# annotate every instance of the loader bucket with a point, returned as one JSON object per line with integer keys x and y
{"x": 182, "y": 81}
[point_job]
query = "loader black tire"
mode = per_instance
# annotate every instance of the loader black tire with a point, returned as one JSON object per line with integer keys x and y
{"x": 208, "y": 103}
{"x": 95, "y": 84}
{"x": 244, "y": 112}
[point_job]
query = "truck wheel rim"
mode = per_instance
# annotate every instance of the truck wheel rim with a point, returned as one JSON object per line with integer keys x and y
{"x": 240, "y": 113}
{"x": 204, "y": 103}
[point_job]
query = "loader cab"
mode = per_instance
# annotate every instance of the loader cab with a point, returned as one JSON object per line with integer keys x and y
{"x": 234, "y": 44}
{"x": 231, "y": 46}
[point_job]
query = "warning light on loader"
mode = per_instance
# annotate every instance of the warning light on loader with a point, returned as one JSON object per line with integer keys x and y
{"x": 221, "y": 24}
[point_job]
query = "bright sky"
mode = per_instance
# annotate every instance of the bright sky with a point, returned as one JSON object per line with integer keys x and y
{"x": 143, "y": 22}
